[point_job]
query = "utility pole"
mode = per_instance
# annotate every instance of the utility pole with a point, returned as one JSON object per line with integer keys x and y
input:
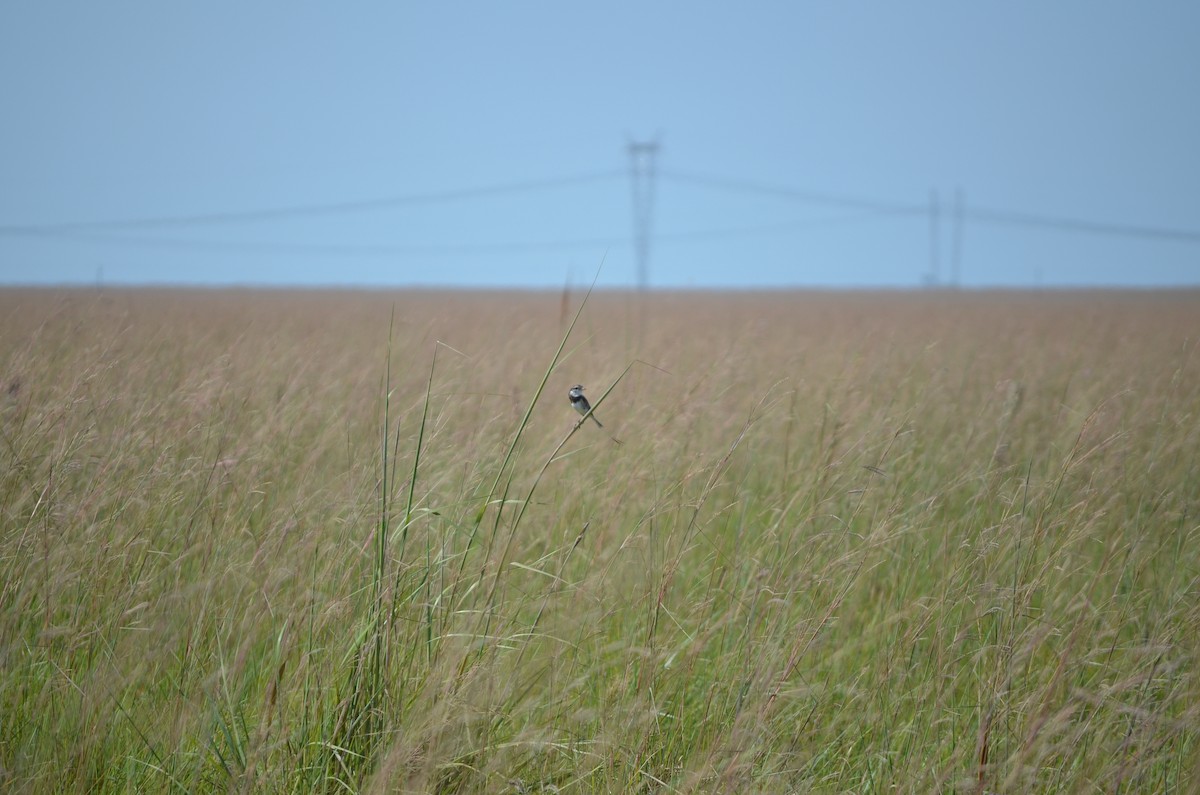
{"x": 641, "y": 176}
{"x": 960, "y": 202}
{"x": 935, "y": 268}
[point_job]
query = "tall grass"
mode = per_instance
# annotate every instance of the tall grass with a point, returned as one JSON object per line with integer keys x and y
{"x": 341, "y": 542}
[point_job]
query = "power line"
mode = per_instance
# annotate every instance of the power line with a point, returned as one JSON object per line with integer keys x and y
{"x": 316, "y": 209}
{"x": 980, "y": 214}
{"x": 1011, "y": 218}
{"x": 769, "y": 229}
{"x": 872, "y": 207}
{"x": 324, "y": 249}
{"x": 446, "y": 249}
{"x": 739, "y": 185}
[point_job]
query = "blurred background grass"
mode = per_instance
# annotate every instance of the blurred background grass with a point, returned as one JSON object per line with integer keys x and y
{"x": 848, "y": 542}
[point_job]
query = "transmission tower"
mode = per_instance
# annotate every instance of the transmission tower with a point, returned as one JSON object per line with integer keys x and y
{"x": 641, "y": 177}
{"x": 956, "y": 250}
{"x": 935, "y": 265}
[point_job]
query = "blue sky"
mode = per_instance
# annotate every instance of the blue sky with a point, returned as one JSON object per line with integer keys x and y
{"x": 1040, "y": 113}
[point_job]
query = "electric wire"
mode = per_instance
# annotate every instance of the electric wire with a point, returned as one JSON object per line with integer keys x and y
{"x": 870, "y": 209}
{"x": 319, "y": 208}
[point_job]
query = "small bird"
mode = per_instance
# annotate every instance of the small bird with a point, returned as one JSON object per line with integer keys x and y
{"x": 581, "y": 403}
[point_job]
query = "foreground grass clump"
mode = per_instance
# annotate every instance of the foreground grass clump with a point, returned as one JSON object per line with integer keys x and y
{"x": 262, "y": 542}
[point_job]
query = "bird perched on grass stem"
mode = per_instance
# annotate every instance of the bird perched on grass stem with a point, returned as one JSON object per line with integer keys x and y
{"x": 581, "y": 403}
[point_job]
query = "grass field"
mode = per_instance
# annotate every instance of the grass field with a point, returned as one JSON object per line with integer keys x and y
{"x": 346, "y": 542}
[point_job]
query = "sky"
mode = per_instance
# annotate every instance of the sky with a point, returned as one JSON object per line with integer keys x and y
{"x": 800, "y": 144}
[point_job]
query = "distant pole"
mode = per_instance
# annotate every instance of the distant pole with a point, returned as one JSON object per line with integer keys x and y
{"x": 641, "y": 176}
{"x": 960, "y": 202}
{"x": 935, "y": 274}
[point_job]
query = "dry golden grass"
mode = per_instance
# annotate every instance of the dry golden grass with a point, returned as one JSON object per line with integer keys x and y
{"x": 848, "y": 542}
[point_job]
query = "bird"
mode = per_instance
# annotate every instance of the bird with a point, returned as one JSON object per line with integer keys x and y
{"x": 581, "y": 403}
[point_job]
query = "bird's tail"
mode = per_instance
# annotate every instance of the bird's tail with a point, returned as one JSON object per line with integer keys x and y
{"x": 593, "y": 416}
